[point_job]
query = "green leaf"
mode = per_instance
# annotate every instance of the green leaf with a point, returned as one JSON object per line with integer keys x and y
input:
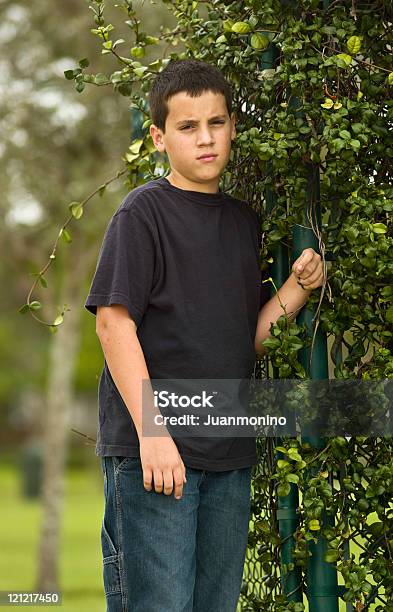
{"x": 390, "y": 78}
{"x": 131, "y": 157}
{"x": 347, "y": 59}
{"x": 137, "y": 52}
{"x": 292, "y": 478}
{"x": 271, "y": 343}
{"x": 241, "y": 27}
{"x": 389, "y": 315}
{"x": 331, "y": 556}
{"x": 295, "y": 343}
{"x": 387, "y": 291}
{"x": 35, "y": 305}
{"x": 262, "y": 525}
{"x": 24, "y": 308}
{"x": 337, "y": 144}
{"x": 100, "y": 78}
{"x": 275, "y": 235}
{"x": 76, "y": 209}
{"x": 328, "y": 103}
{"x": 69, "y": 74}
{"x": 135, "y": 147}
{"x": 345, "y": 134}
{"x": 282, "y": 463}
{"x": 155, "y": 65}
{"x": 259, "y": 41}
{"x": 314, "y": 525}
{"x": 354, "y": 44}
{"x": 59, "y": 319}
{"x": 65, "y": 235}
{"x": 116, "y": 76}
{"x": 140, "y": 71}
{"x": 376, "y": 528}
{"x": 221, "y": 39}
{"x": 284, "y": 371}
{"x": 84, "y": 63}
{"x": 283, "y": 489}
{"x": 379, "y": 228}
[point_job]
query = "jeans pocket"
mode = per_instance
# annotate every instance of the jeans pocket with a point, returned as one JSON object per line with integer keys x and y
{"x": 111, "y": 569}
{"x": 121, "y": 463}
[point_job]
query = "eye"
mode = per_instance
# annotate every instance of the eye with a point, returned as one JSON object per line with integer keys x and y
{"x": 185, "y": 127}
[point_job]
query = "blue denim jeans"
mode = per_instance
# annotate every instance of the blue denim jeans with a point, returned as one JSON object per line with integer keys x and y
{"x": 161, "y": 554}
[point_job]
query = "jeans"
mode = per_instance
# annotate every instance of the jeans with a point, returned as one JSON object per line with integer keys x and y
{"x": 161, "y": 554}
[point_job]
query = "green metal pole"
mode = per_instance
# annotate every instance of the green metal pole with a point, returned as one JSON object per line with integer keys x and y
{"x": 322, "y": 589}
{"x": 287, "y": 517}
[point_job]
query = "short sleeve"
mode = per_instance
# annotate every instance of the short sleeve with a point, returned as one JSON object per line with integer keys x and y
{"x": 125, "y": 268}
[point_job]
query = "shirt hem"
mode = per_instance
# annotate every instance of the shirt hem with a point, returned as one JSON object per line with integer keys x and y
{"x": 218, "y": 465}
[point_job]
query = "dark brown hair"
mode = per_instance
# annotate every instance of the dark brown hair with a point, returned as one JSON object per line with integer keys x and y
{"x": 191, "y": 76}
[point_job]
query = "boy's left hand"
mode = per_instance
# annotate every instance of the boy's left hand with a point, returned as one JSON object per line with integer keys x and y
{"x": 308, "y": 269}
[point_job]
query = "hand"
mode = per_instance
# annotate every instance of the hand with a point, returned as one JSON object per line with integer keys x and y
{"x": 161, "y": 462}
{"x": 308, "y": 269}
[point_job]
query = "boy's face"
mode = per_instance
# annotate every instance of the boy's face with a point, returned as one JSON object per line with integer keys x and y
{"x": 196, "y": 127}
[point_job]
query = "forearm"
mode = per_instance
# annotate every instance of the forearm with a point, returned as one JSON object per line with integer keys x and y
{"x": 126, "y": 362}
{"x": 292, "y": 296}
{"x": 161, "y": 460}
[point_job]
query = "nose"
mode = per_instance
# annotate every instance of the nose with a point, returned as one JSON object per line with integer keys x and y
{"x": 205, "y": 136}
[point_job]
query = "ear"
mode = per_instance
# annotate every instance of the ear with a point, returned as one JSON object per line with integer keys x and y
{"x": 157, "y": 137}
{"x": 233, "y": 122}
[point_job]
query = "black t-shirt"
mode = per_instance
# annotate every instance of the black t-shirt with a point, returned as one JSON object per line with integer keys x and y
{"x": 186, "y": 266}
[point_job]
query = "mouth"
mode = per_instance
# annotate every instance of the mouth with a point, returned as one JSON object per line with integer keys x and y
{"x": 208, "y": 157}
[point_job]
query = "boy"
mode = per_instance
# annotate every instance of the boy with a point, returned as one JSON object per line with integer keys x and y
{"x": 177, "y": 293}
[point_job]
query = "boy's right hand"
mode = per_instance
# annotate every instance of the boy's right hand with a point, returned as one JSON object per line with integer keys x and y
{"x": 162, "y": 463}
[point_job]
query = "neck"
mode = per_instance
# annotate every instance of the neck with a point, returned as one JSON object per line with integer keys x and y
{"x": 183, "y": 183}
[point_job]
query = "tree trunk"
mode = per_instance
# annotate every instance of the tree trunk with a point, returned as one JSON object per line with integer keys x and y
{"x": 56, "y": 425}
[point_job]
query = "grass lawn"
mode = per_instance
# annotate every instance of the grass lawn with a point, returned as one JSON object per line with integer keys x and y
{"x": 80, "y": 559}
